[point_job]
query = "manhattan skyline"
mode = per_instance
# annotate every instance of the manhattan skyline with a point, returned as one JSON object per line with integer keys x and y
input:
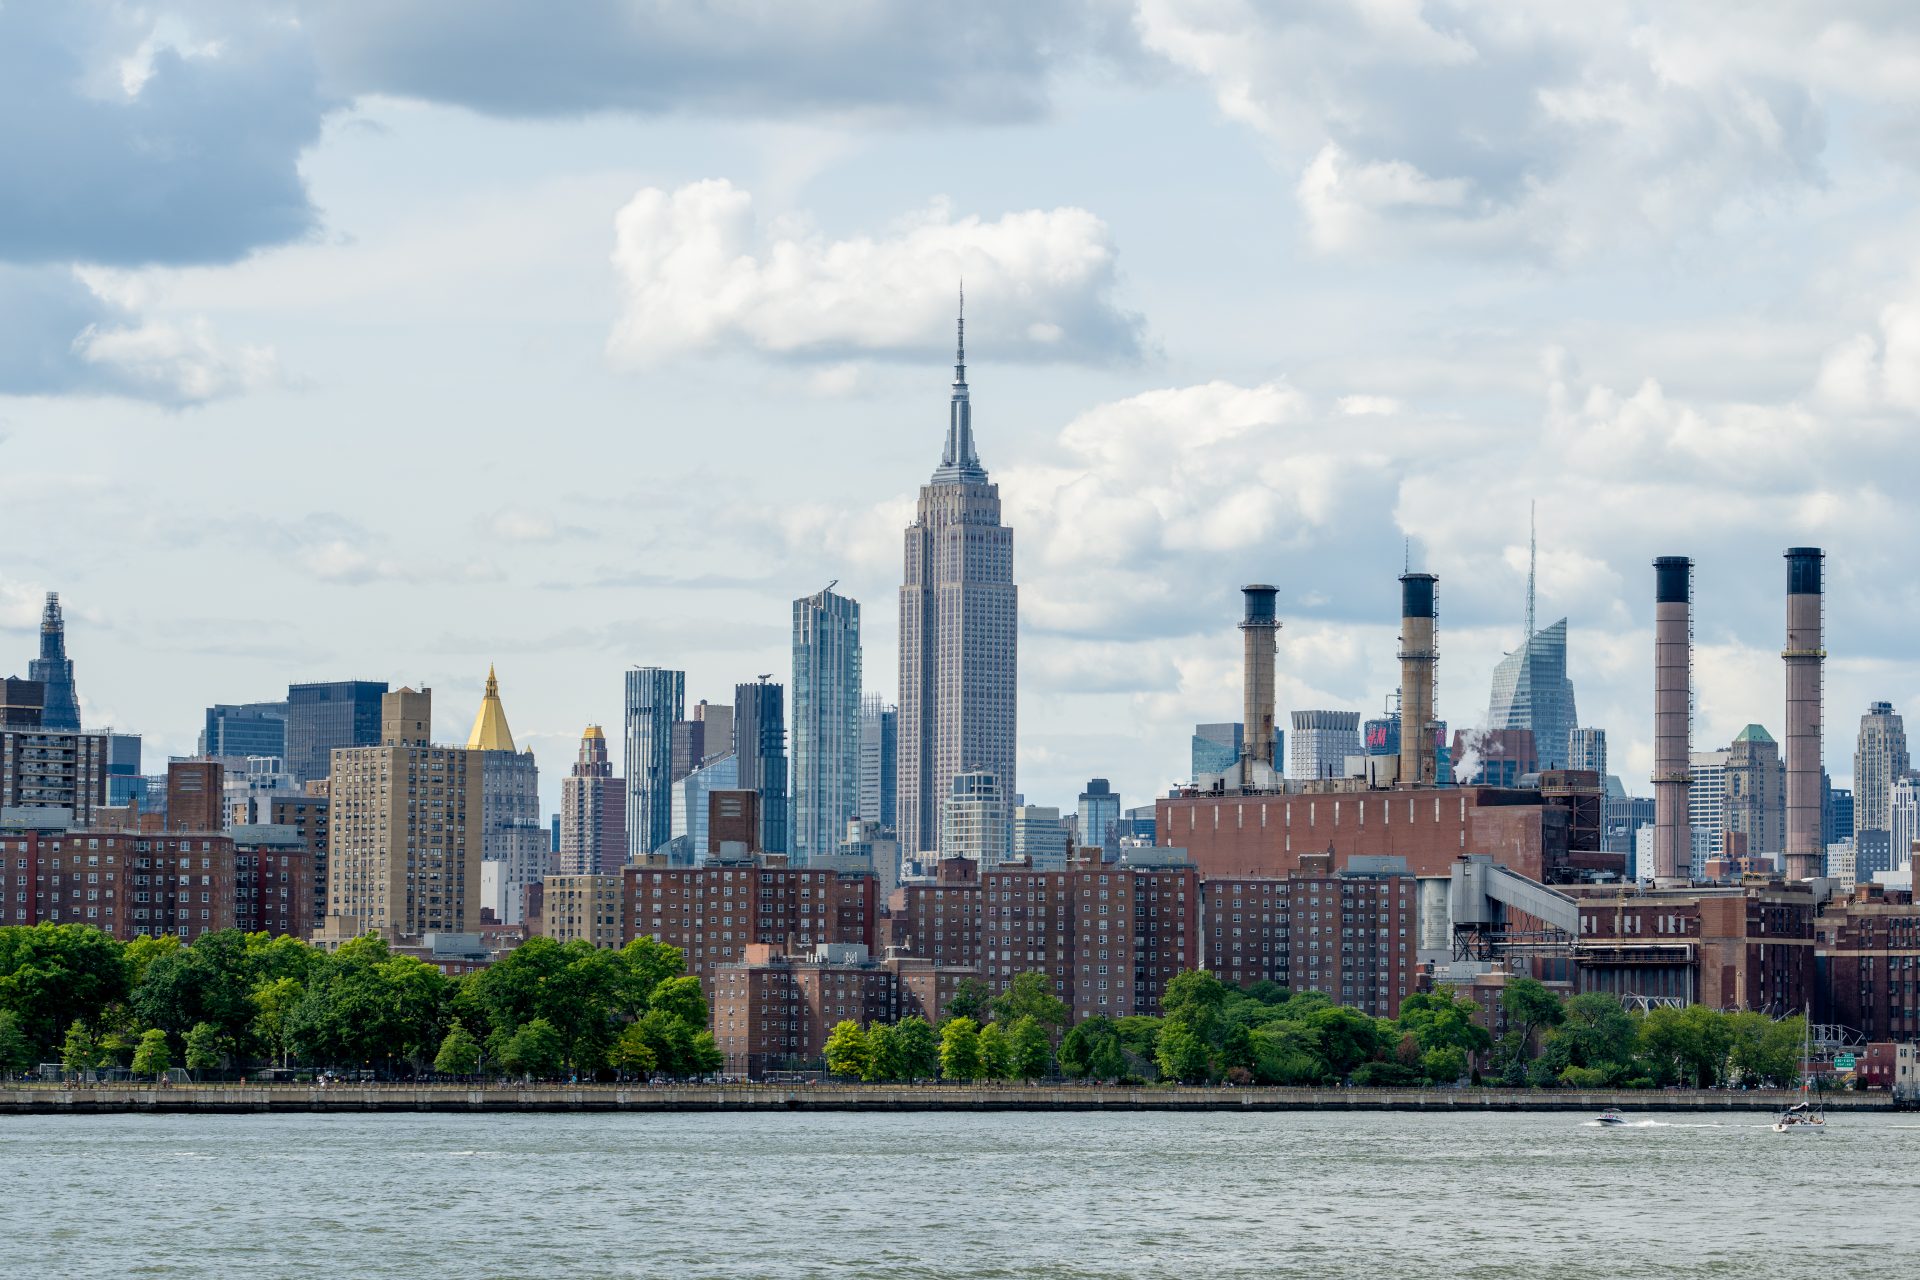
{"x": 438, "y": 375}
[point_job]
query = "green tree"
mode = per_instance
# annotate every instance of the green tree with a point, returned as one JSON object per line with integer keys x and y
{"x": 1596, "y": 1034}
{"x": 1346, "y": 1038}
{"x": 535, "y": 1050}
{"x": 704, "y": 1054}
{"x": 918, "y": 1048}
{"x": 847, "y": 1052}
{"x": 1076, "y": 1050}
{"x": 16, "y": 1052}
{"x": 51, "y": 974}
{"x": 883, "y": 1054}
{"x": 960, "y": 1049}
{"x": 1443, "y": 1064}
{"x": 1183, "y": 1053}
{"x": 996, "y": 1053}
{"x": 80, "y": 1051}
{"x": 459, "y": 1052}
{"x": 632, "y": 1055}
{"x": 971, "y": 1000}
{"x": 1685, "y": 1046}
{"x": 1029, "y": 995}
{"x": 645, "y": 963}
{"x": 1764, "y": 1052}
{"x": 1287, "y": 1053}
{"x": 206, "y": 1047}
{"x": 1031, "y": 1056}
{"x": 681, "y": 998}
{"x": 1530, "y": 1006}
{"x": 207, "y": 982}
{"x": 152, "y": 1057}
{"x": 273, "y": 1002}
{"x": 1441, "y": 1020}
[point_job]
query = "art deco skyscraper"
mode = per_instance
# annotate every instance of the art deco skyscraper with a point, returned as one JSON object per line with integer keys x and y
{"x": 1879, "y": 760}
{"x": 593, "y": 812}
{"x": 958, "y": 633}
{"x": 60, "y": 706}
{"x": 511, "y": 834}
{"x": 826, "y": 722}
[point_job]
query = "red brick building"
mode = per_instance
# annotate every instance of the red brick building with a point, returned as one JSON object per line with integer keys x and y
{"x": 127, "y": 884}
{"x": 772, "y": 1010}
{"x": 307, "y": 815}
{"x": 1867, "y": 949}
{"x": 1352, "y": 934}
{"x": 272, "y": 881}
{"x": 1729, "y": 947}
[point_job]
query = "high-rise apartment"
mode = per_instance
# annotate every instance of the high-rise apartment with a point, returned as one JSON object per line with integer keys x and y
{"x": 958, "y": 632}
{"x": 404, "y": 830}
{"x": 245, "y": 729}
{"x": 1587, "y": 749}
{"x": 511, "y": 834}
{"x": 1040, "y": 833}
{"x": 973, "y": 820}
{"x": 655, "y": 698}
{"x": 593, "y": 811}
{"x": 1756, "y": 787}
{"x": 760, "y": 739}
{"x": 60, "y": 704}
{"x": 1879, "y": 760}
{"x": 879, "y": 762}
{"x": 53, "y": 769}
{"x": 1903, "y": 821}
{"x": 1322, "y": 741}
{"x": 321, "y": 717}
{"x": 826, "y": 722}
{"x": 692, "y": 806}
{"x": 1707, "y": 805}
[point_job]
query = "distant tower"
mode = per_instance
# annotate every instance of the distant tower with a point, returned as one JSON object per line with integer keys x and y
{"x": 60, "y": 709}
{"x": 958, "y": 634}
{"x": 510, "y": 830}
{"x": 593, "y": 811}
{"x": 826, "y": 722}
{"x": 760, "y": 739}
{"x": 655, "y": 699}
{"x": 1805, "y": 657}
{"x": 1530, "y": 686}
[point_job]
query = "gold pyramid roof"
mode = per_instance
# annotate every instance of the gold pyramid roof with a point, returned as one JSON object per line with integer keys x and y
{"x": 490, "y": 732}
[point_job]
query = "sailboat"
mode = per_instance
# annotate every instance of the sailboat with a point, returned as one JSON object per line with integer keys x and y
{"x": 1806, "y": 1115}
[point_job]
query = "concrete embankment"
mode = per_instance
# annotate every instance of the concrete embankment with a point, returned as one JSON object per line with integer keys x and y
{"x": 213, "y": 1099}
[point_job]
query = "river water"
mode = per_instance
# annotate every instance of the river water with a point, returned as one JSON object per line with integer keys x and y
{"x": 954, "y": 1195}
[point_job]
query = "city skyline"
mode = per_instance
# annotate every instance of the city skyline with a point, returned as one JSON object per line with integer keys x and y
{"x": 415, "y": 268}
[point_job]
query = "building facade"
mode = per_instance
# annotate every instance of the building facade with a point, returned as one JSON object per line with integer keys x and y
{"x": 879, "y": 761}
{"x": 1322, "y": 741}
{"x": 760, "y": 738}
{"x": 404, "y": 830}
{"x": 973, "y": 821}
{"x": 321, "y": 717}
{"x": 959, "y": 633}
{"x": 1879, "y": 760}
{"x": 584, "y": 908}
{"x": 1100, "y": 817}
{"x": 52, "y": 769}
{"x": 1756, "y": 792}
{"x": 1531, "y": 691}
{"x": 245, "y": 729}
{"x": 655, "y": 698}
{"x": 512, "y": 837}
{"x": 1040, "y": 837}
{"x": 593, "y": 812}
{"x": 826, "y": 722}
{"x": 1587, "y": 749}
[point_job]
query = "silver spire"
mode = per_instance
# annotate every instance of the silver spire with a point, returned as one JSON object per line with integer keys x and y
{"x": 959, "y": 464}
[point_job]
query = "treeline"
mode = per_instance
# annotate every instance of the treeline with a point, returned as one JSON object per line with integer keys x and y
{"x": 233, "y": 1001}
{"x": 1212, "y": 1033}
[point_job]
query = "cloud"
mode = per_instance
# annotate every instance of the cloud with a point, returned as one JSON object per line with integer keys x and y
{"x": 991, "y": 60}
{"x": 699, "y": 274}
{"x": 59, "y": 335}
{"x": 1543, "y": 130}
{"x": 134, "y": 140}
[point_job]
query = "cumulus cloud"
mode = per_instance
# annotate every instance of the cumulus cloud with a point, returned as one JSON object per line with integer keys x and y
{"x": 991, "y": 60}
{"x": 1543, "y": 129}
{"x": 700, "y": 274}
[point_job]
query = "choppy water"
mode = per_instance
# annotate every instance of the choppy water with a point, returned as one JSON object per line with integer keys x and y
{"x": 1374, "y": 1196}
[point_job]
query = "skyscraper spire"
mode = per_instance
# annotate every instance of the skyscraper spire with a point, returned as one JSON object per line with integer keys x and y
{"x": 959, "y": 464}
{"x": 1533, "y": 551}
{"x": 61, "y": 708}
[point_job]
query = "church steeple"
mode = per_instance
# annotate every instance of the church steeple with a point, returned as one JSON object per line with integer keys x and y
{"x": 959, "y": 464}
{"x": 490, "y": 732}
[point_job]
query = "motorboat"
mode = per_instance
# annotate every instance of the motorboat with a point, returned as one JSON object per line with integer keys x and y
{"x": 1610, "y": 1118}
{"x": 1806, "y": 1115}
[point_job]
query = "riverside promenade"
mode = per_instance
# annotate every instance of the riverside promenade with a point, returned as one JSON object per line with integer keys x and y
{"x": 217, "y": 1099}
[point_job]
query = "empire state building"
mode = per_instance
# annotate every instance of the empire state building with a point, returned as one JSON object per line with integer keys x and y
{"x": 959, "y": 626}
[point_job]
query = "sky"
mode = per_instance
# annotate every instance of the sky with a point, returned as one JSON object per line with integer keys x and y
{"x": 388, "y": 339}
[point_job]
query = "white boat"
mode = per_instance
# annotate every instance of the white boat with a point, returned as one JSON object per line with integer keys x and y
{"x": 1609, "y": 1118}
{"x": 1806, "y": 1115}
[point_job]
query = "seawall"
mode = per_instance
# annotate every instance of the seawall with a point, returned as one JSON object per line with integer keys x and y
{"x": 216, "y": 1099}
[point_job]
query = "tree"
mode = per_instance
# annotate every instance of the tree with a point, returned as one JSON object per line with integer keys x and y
{"x": 1596, "y": 1034}
{"x": 847, "y": 1052}
{"x": 681, "y": 998}
{"x": 1030, "y": 1058}
{"x": 80, "y": 1052}
{"x": 632, "y": 1055}
{"x": 1441, "y": 1020}
{"x": 205, "y": 1046}
{"x": 1687, "y": 1045}
{"x": 16, "y": 1054}
{"x": 273, "y": 1003}
{"x": 51, "y": 974}
{"x": 1183, "y": 1053}
{"x": 1444, "y": 1064}
{"x": 1030, "y": 995}
{"x": 996, "y": 1053}
{"x": 704, "y": 1054}
{"x": 1287, "y": 1053}
{"x": 971, "y": 999}
{"x": 1530, "y": 1007}
{"x": 960, "y": 1049}
{"x": 1076, "y": 1050}
{"x": 459, "y": 1052}
{"x": 1346, "y": 1038}
{"x": 535, "y": 1050}
{"x": 152, "y": 1057}
{"x": 918, "y": 1048}
{"x": 1762, "y": 1051}
{"x": 883, "y": 1054}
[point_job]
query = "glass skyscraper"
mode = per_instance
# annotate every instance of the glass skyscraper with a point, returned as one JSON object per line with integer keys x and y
{"x": 1531, "y": 691}
{"x": 826, "y": 722}
{"x": 1100, "y": 817}
{"x": 760, "y": 741}
{"x": 245, "y": 729}
{"x": 655, "y": 698}
{"x": 320, "y": 717}
{"x": 879, "y": 761}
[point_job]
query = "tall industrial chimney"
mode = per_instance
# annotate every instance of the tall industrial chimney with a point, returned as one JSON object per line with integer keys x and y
{"x": 1260, "y": 628}
{"x": 1418, "y": 765}
{"x": 1672, "y": 718}
{"x": 1805, "y": 658}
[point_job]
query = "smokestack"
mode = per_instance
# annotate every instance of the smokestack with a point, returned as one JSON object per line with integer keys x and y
{"x": 1672, "y": 718}
{"x": 1260, "y": 628}
{"x": 1805, "y": 658}
{"x": 1418, "y": 765}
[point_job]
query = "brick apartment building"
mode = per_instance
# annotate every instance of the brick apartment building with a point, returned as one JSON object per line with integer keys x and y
{"x": 588, "y": 908}
{"x": 1867, "y": 953}
{"x": 128, "y": 884}
{"x": 272, "y": 880}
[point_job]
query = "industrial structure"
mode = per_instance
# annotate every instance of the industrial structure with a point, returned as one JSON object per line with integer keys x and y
{"x": 1805, "y": 660}
{"x": 1672, "y": 716}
